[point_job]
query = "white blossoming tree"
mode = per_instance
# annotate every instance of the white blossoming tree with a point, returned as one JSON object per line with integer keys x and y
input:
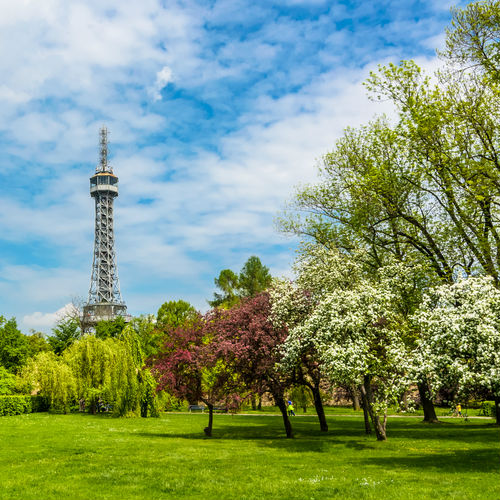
{"x": 351, "y": 325}
{"x": 460, "y": 343}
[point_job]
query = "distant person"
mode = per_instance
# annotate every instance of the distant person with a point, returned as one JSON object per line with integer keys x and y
{"x": 458, "y": 410}
{"x": 291, "y": 411}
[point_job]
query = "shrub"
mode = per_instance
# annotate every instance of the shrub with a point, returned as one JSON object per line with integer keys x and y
{"x": 15, "y": 405}
{"x": 488, "y": 409}
{"x": 7, "y": 382}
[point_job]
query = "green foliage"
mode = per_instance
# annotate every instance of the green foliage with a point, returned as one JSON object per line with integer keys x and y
{"x": 228, "y": 284}
{"x": 104, "y": 371}
{"x": 488, "y": 409}
{"x": 253, "y": 279}
{"x": 175, "y": 313}
{"x": 52, "y": 379}
{"x": 146, "y": 332}
{"x": 110, "y": 328}
{"x": 168, "y": 402}
{"x": 7, "y": 382}
{"x": 64, "y": 334}
{"x": 39, "y": 403}
{"x": 15, "y": 405}
{"x": 37, "y": 343}
{"x": 14, "y": 348}
{"x": 301, "y": 397}
{"x": 474, "y": 37}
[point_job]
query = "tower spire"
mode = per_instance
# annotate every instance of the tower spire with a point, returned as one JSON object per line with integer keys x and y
{"x": 103, "y": 164}
{"x": 105, "y": 300}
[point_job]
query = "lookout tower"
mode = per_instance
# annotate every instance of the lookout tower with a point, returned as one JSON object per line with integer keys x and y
{"x": 105, "y": 300}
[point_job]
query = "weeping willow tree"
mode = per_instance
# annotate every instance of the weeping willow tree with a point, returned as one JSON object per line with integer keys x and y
{"x": 50, "y": 377}
{"x": 105, "y": 373}
{"x": 148, "y": 401}
{"x": 99, "y": 373}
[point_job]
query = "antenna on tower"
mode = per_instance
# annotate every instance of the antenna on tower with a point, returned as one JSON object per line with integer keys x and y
{"x": 104, "y": 165}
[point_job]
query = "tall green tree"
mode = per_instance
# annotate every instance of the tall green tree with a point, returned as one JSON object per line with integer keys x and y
{"x": 228, "y": 284}
{"x": 37, "y": 343}
{"x": 65, "y": 333}
{"x": 14, "y": 347}
{"x": 175, "y": 313}
{"x": 253, "y": 279}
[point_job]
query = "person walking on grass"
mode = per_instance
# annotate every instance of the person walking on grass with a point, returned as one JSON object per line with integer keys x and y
{"x": 291, "y": 411}
{"x": 458, "y": 410}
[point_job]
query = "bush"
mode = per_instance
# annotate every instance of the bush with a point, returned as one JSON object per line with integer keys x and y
{"x": 15, "y": 405}
{"x": 488, "y": 409}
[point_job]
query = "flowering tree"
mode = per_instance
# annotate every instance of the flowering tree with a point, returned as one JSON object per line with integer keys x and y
{"x": 349, "y": 320}
{"x": 249, "y": 344}
{"x": 460, "y": 347}
{"x": 290, "y": 306}
{"x": 187, "y": 367}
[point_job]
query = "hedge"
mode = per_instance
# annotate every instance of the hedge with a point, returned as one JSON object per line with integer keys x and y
{"x": 15, "y": 405}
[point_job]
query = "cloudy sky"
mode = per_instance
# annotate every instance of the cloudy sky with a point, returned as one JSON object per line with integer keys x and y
{"x": 217, "y": 109}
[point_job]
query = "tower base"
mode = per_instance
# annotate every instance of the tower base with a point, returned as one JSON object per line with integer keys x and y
{"x": 105, "y": 311}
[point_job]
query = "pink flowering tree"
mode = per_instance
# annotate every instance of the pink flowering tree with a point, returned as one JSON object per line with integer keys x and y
{"x": 187, "y": 367}
{"x": 248, "y": 343}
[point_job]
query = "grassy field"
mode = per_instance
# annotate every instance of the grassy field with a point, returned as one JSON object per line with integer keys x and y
{"x": 78, "y": 456}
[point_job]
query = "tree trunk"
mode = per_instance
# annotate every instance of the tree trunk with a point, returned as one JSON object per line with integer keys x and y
{"x": 286, "y": 421}
{"x": 318, "y": 405}
{"x": 208, "y": 429}
{"x": 378, "y": 425}
{"x": 355, "y": 398}
{"x": 427, "y": 405}
{"x": 368, "y": 427}
{"x": 404, "y": 401}
{"x": 497, "y": 409}
{"x": 253, "y": 401}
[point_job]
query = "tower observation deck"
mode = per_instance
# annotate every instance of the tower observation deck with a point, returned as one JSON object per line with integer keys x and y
{"x": 105, "y": 300}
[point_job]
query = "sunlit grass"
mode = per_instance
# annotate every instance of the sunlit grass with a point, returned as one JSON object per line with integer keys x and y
{"x": 46, "y": 456}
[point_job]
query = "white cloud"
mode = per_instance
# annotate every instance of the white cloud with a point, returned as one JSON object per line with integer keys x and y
{"x": 45, "y": 321}
{"x": 163, "y": 78}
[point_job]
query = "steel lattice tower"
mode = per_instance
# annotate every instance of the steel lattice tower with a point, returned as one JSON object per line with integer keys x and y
{"x": 105, "y": 301}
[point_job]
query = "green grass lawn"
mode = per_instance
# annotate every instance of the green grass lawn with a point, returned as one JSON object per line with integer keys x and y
{"x": 78, "y": 456}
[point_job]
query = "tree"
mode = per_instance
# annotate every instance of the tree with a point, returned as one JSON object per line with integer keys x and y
{"x": 248, "y": 344}
{"x": 52, "y": 378}
{"x": 65, "y": 333}
{"x": 37, "y": 343}
{"x": 105, "y": 372}
{"x": 149, "y": 335}
{"x": 187, "y": 367}
{"x": 228, "y": 284}
{"x": 253, "y": 279}
{"x": 290, "y": 306}
{"x": 14, "y": 347}
{"x": 348, "y": 323}
{"x": 105, "y": 329}
{"x": 175, "y": 313}
{"x": 472, "y": 42}
{"x": 460, "y": 344}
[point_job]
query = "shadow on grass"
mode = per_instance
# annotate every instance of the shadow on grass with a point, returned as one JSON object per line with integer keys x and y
{"x": 456, "y": 461}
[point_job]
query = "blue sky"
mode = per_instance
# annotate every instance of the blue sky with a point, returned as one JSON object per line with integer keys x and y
{"x": 217, "y": 110}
